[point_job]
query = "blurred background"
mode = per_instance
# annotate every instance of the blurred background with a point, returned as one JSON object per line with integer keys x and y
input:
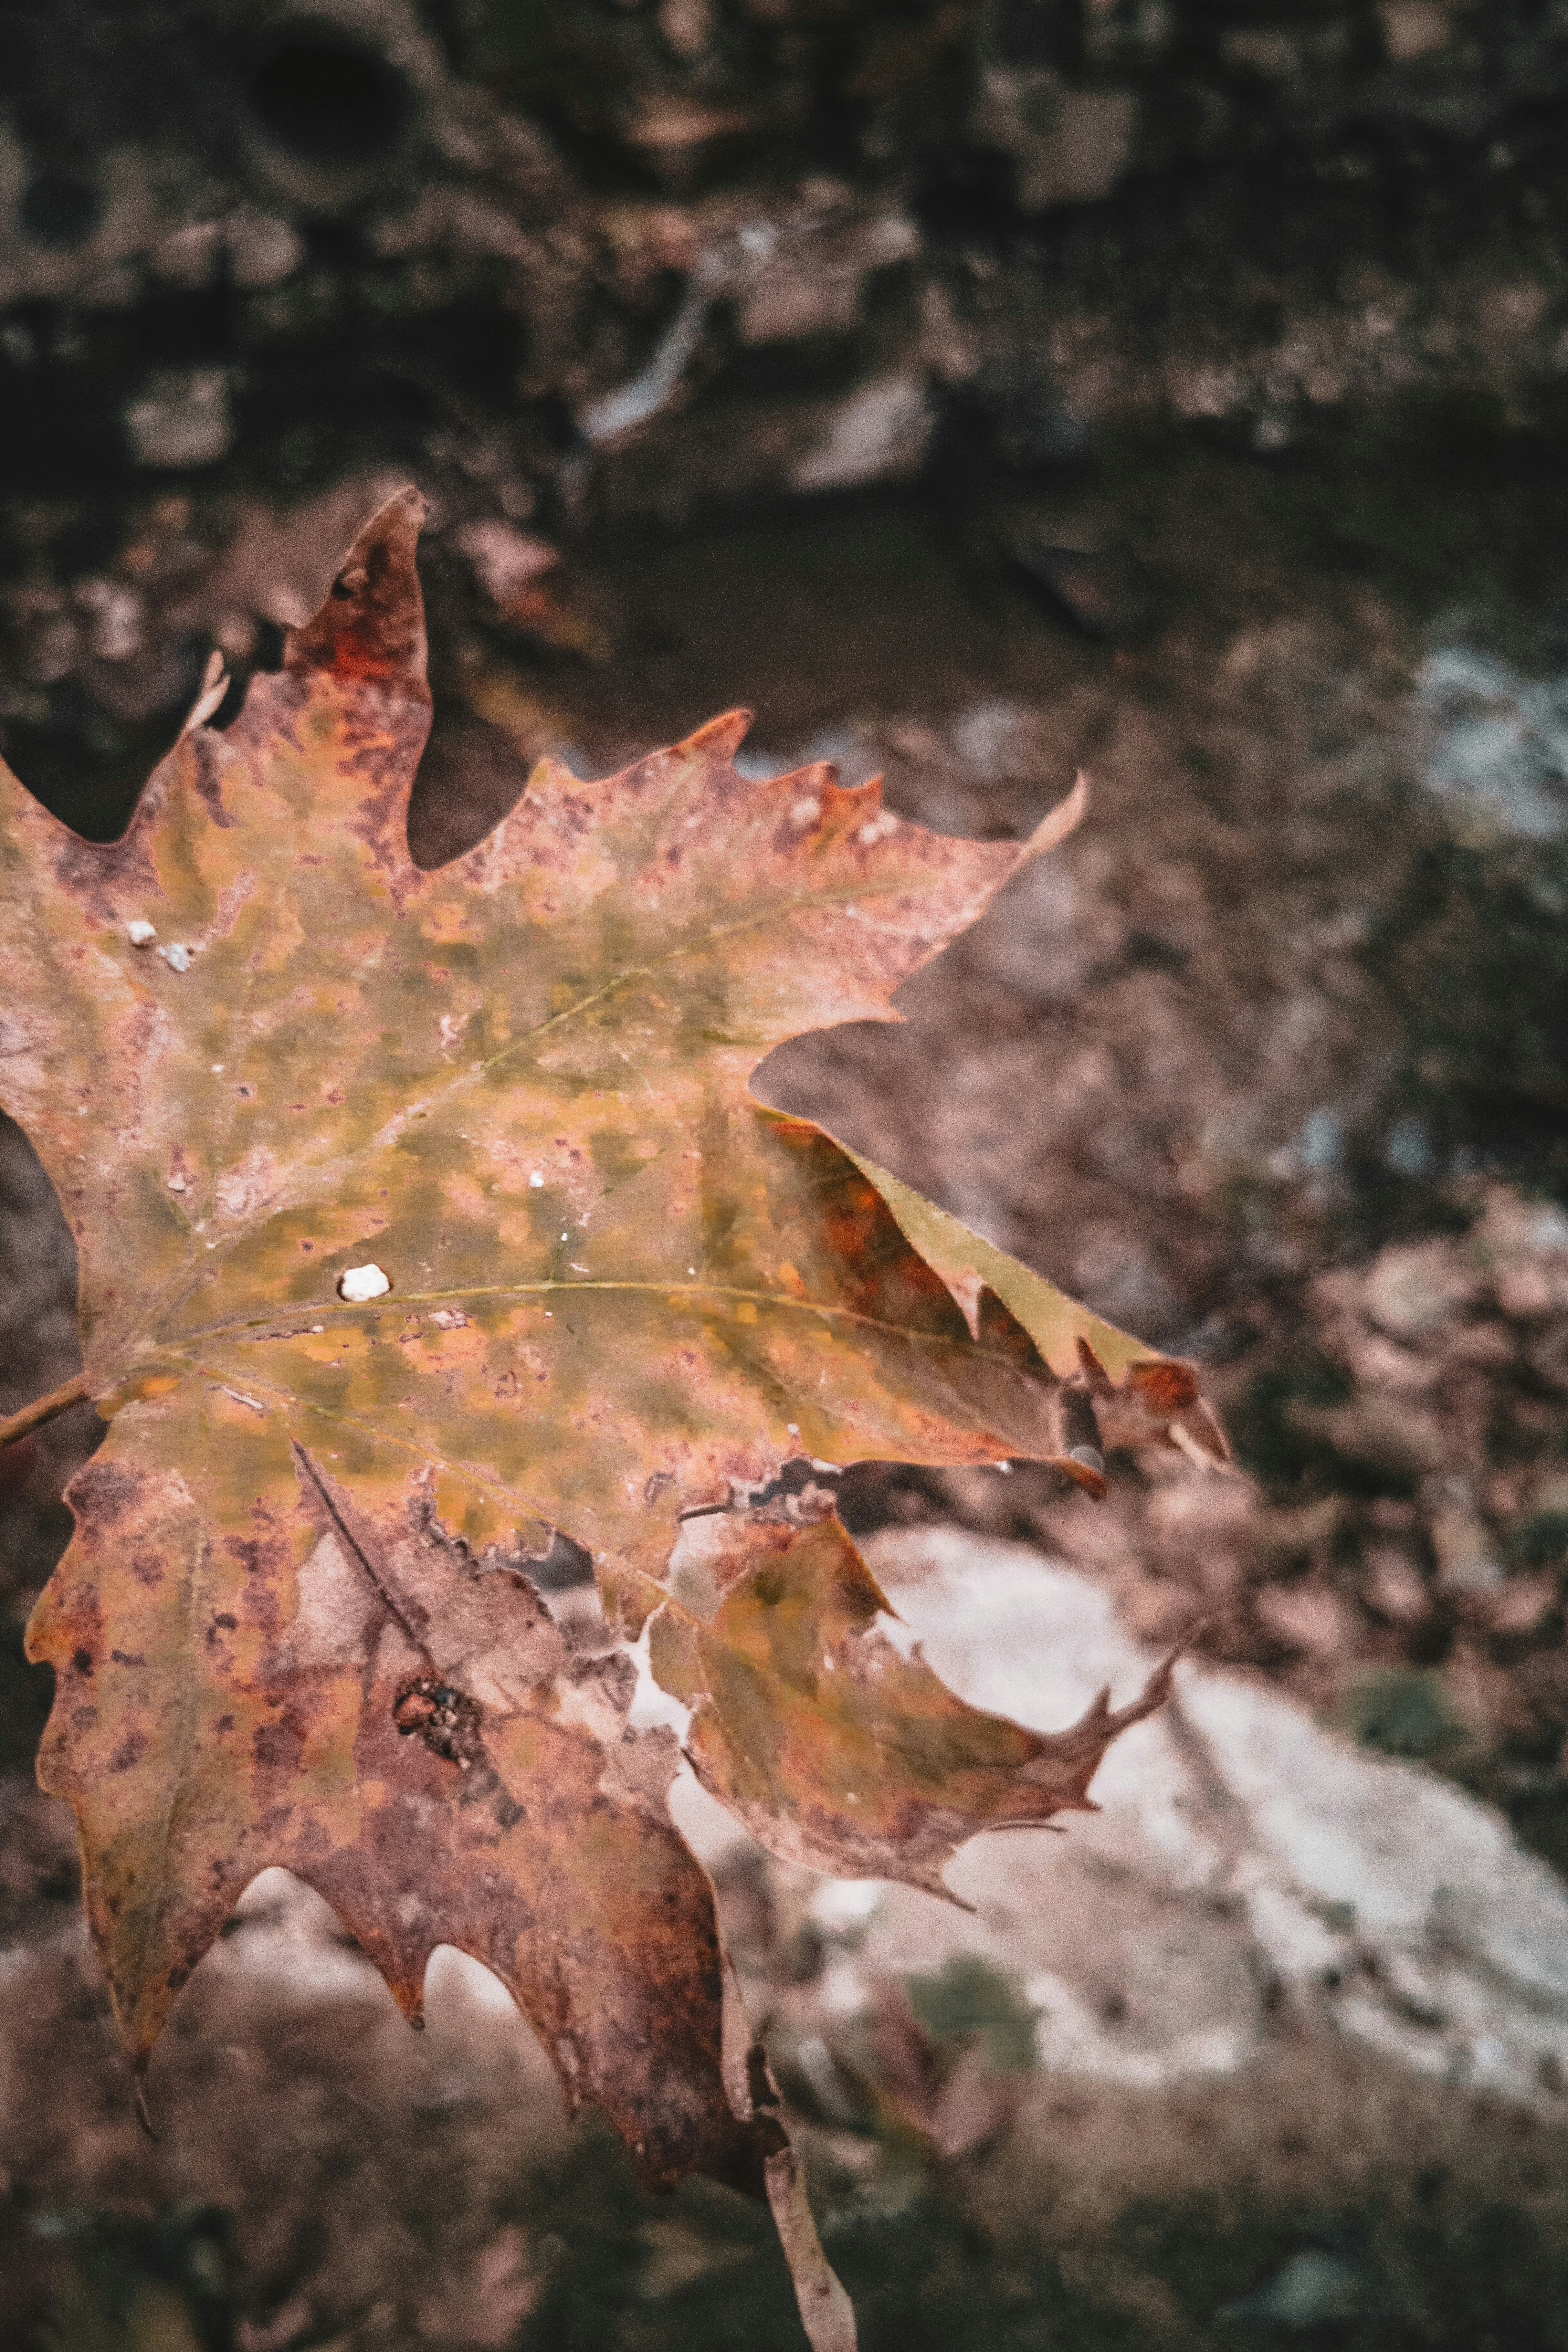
{"x": 976, "y": 389}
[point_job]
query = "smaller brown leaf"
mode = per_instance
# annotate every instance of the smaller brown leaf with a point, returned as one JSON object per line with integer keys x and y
{"x": 823, "y": 1729}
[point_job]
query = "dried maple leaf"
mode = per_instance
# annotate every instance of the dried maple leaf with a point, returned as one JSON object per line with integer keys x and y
{"x": 421, "y": 1215}
{"x": 822, "y": 1728}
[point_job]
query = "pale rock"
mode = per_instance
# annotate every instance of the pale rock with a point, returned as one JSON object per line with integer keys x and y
{"x": 1466, "y": 1559}
{"x": 1498, "y": 755}
{"x": 668, "y": 124}
{"x": 182, "y": 419}
{"x": 505, "y": 560}
{"x": 809, "y": 282}
{"x": 1070, "y": 146}
{"x": 262, "y": 249}
{"x": 687, "y": 26}
{"x": 1395, "y": 1587}
{"x": 1519, "y": 1607}
{"x": 1413, "y": 28}
{"x": 1249, "y": 1874}
{"x": 880, "y": 431}
{"x": 116, "y": 630}
{"x": 187, "y": 258}
{"x": 1304, "y": 1617}
{"x": 1414, "y": 1287}
{"x": 1314, "y": 2286}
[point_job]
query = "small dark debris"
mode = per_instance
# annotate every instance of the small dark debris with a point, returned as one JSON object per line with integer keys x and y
{"x": 447, "y": 1720}
{"x": 1103, "y": 595}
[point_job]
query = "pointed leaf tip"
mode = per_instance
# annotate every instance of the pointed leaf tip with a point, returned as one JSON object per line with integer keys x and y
{"x": 1065, "y": 818}
{"x": 720, "y": 738}
{"x": 371, "y": 624}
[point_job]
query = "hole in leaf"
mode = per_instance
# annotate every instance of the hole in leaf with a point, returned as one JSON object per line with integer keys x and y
{"x": 562, "y": 1568}
{"x": 446, "y": 1720}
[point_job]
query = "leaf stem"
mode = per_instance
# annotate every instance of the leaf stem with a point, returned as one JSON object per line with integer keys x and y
{"x": 29, "y": 1417}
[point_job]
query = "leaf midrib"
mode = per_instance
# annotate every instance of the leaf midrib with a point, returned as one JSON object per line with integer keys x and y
{"x": 203, "y": 1263}
{"x": 390, "y": 1302}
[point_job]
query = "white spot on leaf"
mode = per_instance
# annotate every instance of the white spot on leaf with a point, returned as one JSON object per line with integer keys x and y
{"x": 177, "y": 957}
{"x": 247, "y": 1188}
{"x": 535, "y": 1179}
{"x": 358, "y": 1283}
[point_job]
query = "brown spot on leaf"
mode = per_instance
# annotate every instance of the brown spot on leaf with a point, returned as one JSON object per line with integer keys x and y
{"x": 279, "y": 1746}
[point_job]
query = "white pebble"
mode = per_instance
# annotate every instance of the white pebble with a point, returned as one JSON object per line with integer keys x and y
{"x": 178, "y": 959}
{"x": 535, "y": 1179}
{"x": 358, "y": 1283}
{"x": 141, "y": 932}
